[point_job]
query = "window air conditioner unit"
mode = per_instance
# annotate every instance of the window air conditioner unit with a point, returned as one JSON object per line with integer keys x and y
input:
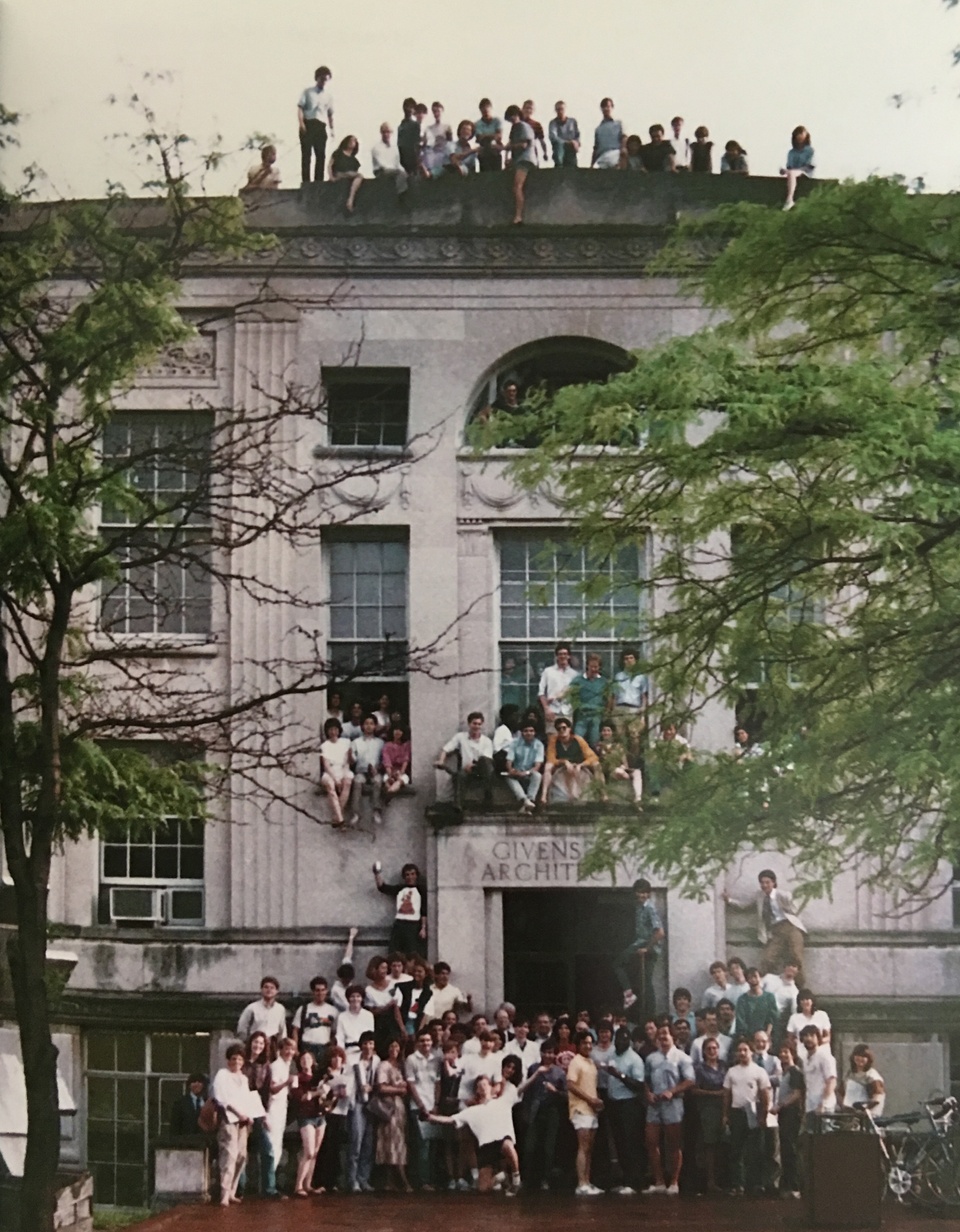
{"x": 136, "y": 904}
{"x": 183, "y": 905}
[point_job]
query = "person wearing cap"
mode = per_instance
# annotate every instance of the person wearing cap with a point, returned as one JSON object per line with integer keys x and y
{"x": 647, "y": 943}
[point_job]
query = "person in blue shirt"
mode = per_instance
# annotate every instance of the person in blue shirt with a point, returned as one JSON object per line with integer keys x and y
{"x": 669, "y": 1073}
{"x": 648, "y": 938}
{"x": 625, "y": 1108}
{"x": 524, "y": 772}
{"x": 800, "y": 162}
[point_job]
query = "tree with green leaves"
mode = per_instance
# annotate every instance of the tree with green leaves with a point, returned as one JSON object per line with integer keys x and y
{"x": 119, "y": 535}
{"x": 796, "y": 471}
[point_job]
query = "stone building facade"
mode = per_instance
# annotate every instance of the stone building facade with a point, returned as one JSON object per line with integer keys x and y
{"x": 426, "y": 311}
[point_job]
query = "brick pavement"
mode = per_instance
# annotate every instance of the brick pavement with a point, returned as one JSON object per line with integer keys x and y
{"x": 469, "y": 1213}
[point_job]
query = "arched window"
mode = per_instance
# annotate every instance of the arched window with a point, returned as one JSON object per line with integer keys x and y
{"x": 548, "y": 364}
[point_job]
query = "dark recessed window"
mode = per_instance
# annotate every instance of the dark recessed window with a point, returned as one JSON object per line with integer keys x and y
{"x": 367, "y": 407}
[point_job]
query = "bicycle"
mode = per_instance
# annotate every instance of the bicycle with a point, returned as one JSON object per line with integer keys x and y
{"x": 924, "y": 1167}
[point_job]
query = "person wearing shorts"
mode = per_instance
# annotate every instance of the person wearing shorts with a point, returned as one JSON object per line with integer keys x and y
{"x": 669, "y": 1072}
{"x": 523, "y": 157}
{"x": 336, "y": 768}
{"x": 585, "y": 1105}
{"x": 490, "y": 1120}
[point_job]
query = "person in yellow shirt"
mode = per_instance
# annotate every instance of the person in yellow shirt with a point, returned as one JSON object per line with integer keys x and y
{"x": 570, "y": 761}
{"x": 584, "y": 1105}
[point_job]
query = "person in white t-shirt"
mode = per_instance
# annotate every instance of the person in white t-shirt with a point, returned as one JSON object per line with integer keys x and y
{"x": 281, "y": 1078}
{"x": 266, "y": 1015}
{"x": 736, "y": 979}
{"x": 476, "y": 1065}
{"x": 352, "y": 1023}
{"x": 746, "y": 1099}
{"x": 241, "y": 1107}
{"x": 445, "y": 996}
{"x": 719, "y": 988}
{"x": 315, "y": 1022}
{"x": 784, "y": 988}
{"x": 819, "y": 1076}
{"x": 490, "y": 1120}
{"x": 365, "y": 753}
{"x": 807, "y": 1015}
{"x": 336, "y": 772}
{"x": 555, "y": 685}
{"x": 474, "y": 759}
{"x": 471, "y": 1045}
{"x": 863, "y": 1084}
{"x": 680, "y": 143}
{"x": 385, "y": 157}
{"x": 522, "y": 1046}
{"x": 711, "y": 1030}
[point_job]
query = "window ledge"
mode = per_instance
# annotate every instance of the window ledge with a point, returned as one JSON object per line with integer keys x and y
{"x": 400, "y": 452}
{"x": 160, "y": 645}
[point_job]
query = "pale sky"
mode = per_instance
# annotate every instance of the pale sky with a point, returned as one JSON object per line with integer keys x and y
{"x": 748, "y": 69}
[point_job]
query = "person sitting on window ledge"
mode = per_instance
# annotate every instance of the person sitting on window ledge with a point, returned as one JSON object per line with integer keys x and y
{"x": 336, "y": 774}
{"x": 395, "y": 762}
{"x": 570, "y": 763}
{"x": 365, "y": 754}
{"x": 474, "y": 759}
{"x": 524, "y": 767}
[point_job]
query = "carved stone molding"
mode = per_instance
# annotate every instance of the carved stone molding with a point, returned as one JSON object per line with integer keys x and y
{"x": 570, "y": 253}
{"x": 194, "y": 359}
{"x": 486, "y": 484}
{"x": 371, "y": 493}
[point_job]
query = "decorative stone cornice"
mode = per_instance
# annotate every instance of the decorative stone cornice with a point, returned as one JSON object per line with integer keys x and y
{"x": 610, "y": 254}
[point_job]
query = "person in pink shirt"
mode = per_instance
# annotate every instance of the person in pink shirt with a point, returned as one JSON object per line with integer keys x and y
{"x": 395, "y": 762}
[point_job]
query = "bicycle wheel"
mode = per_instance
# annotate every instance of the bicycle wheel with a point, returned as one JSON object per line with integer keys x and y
{"x": 903, "y": 1168}
{"x": 939, "y": 1177}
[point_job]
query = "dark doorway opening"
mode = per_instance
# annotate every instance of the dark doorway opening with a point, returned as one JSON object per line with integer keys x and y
{"x": 559, "y": 946}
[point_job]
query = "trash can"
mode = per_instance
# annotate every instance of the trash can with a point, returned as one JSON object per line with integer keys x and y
{"x": 843, "y": 1180}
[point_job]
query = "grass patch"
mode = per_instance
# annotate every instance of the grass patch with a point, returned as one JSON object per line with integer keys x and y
{"x": 119, "y": 1216}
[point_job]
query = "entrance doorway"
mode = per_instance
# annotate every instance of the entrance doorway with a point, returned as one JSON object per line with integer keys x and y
{"x": 559, "y": 946}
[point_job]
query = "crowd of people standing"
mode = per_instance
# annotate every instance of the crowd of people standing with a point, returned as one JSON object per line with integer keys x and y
{"x": 384, "y": 1079}
{"x": 387, "y": 1082}
{"x": 426, "y": 146}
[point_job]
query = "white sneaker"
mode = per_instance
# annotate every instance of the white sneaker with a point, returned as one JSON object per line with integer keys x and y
{"x": 629, "y": 999}
{"x": 673, "y": 1190}
{"x": 655, "y": 1189}
{"x": 593, "y": 1191}
{"x": 377, "y": 817}
{"x": 585, "y": 1191}
{"x": 353, "y": 820}
{"x": 625, "y": 1191}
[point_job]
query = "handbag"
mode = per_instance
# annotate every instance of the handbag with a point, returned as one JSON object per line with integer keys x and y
{"x": 208, "y": 1118}
{"x": 378, "y": 1107}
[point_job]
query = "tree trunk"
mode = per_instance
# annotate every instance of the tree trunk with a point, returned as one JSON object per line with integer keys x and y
{"x": 27, "y": 955}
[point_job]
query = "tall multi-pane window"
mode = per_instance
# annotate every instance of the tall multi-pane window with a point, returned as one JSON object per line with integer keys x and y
{"x": 160, "y": 537}
{"x": 368, "y": 607}
{"x": 132, "y": 1082}
{"x": 552, "y": 590}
